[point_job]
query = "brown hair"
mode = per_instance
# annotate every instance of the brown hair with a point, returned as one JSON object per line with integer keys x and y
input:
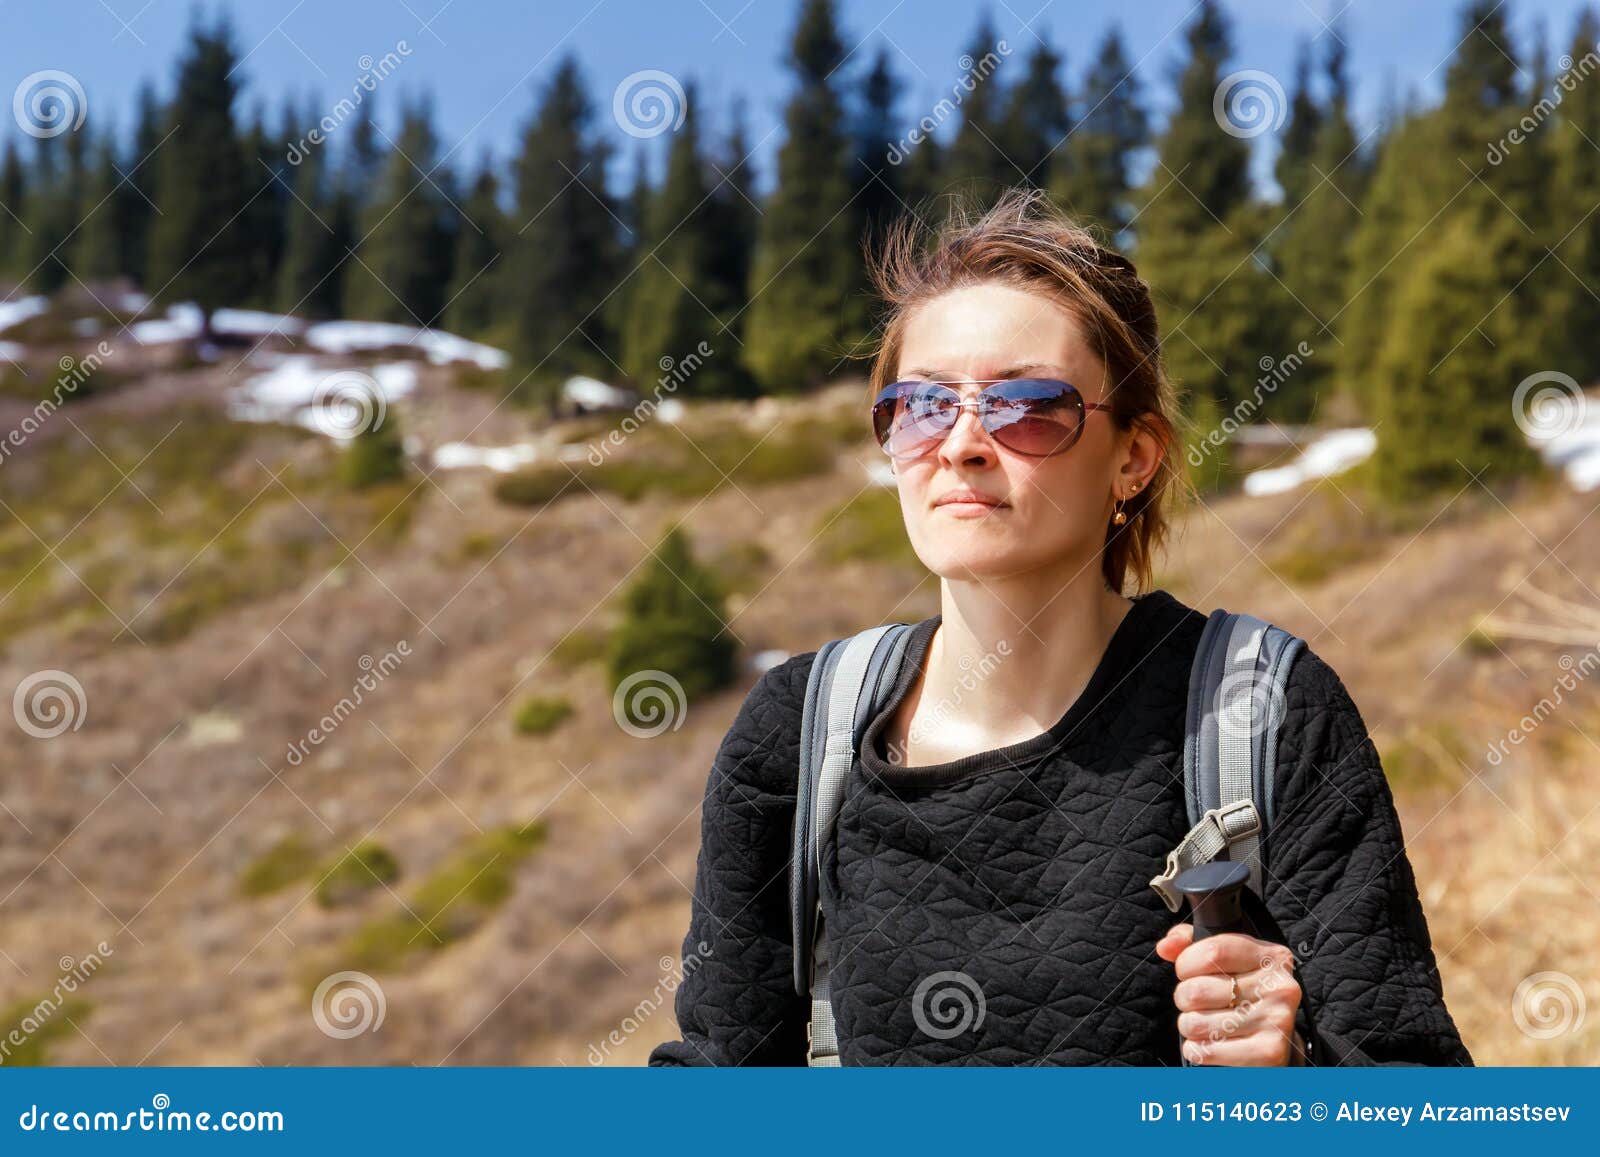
{"x": 1024, "y": 241}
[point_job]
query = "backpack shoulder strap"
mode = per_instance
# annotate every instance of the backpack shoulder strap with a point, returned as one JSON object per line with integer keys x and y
{"x": 1236, "y": 704}
{"x": 849, "y": 682}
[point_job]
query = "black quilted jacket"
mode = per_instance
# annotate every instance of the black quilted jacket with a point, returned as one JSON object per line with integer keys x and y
{"x": 1027, "y": 868}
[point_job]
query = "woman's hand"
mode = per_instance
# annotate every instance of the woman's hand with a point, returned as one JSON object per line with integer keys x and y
{"x": 1258, "y": 1029}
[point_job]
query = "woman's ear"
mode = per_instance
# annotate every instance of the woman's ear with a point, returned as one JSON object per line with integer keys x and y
{"x": 1141, "y": 457}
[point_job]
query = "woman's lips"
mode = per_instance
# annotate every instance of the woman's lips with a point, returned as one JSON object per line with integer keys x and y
{"x": 969, "y": 504}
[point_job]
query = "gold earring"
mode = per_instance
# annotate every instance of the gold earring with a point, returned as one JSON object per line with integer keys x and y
{"x": 1119, "y": 518}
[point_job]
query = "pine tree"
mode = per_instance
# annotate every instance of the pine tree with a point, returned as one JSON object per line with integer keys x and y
{"x": 474, "y": 296}
{"x": 1294, "y": 164}
{"x": 1197, "y": 234}
{"x": 138, "y": 192}
{"x": 1463, "y": 318}
{"x": 95, "y": 247}
{"x": 13, "y": 203}
{"x": 1311, "y": 246}
{"x": 55, "y": 207}
{"x": 563, "y": 252}
{"x": 1574, "y": 197}
{"x": 200, "y": 248}
{"x": 877, "y": 180}
{"x": 306, "y": 282}
{"x": 1444, "y": 371}
{"x": 977, "y": 164}
{"x": 732, "y": 220}
{"x": 1096, "y": 182}
{"x": 674, "y": 304}
{"x": 355, "y": 175}
{"x": 804, "y": 312}
{"x": 1036, "y": 121}
{"x": 402, "y": 262}
{"x": 265, "y": 216}
{"x": 675, "y": 623}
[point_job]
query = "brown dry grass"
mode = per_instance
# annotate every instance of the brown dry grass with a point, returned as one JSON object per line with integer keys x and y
{"x": 136, "y": 828}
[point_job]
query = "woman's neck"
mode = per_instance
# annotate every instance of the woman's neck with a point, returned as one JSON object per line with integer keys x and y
{"x": 1016, "y": 653}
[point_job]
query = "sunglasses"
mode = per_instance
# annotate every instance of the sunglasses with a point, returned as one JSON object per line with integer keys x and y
{"x": 1034, "y": 417}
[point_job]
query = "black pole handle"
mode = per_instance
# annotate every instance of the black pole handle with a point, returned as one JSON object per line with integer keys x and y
{"x": 1214, "y": 897}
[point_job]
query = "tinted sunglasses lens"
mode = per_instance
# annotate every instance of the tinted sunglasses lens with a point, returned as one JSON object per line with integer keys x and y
{"x": 1035, "y": 417}
{"x": 910, "y": 418}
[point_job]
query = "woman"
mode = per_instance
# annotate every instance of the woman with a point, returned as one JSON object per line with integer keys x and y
{"x": 998, "y": 834}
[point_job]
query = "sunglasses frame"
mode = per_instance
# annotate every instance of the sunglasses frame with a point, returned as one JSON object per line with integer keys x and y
{"x": 982, "y": 404}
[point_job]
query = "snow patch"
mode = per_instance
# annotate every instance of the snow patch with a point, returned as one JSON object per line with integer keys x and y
{"x": 1576, "y": 451}
{"x": 301, "y": 390}
{"x": 345, "y": 337}
{"x": 16, "y": 312}
{"x": 501, "y": 459}
{"x": 183, "y": 322}
{"x": 593, "y": 394}
{"x": 10, "y": 351}
{"x": 1329, "y": 454}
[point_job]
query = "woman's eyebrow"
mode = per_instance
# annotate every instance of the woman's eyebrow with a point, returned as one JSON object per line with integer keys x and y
{"x": 1009, "y": 372}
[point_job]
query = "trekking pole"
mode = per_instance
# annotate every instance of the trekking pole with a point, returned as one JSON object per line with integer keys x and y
{"x": 1214, "y": 901}
{"x": 1214, "y": 890}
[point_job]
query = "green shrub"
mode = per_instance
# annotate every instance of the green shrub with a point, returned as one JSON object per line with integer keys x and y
{"x": 579, "y": 647}
{"x": 539, "y": 716}
{"x": 537, "y": 485}
{"x": 373, "y": 456}
{"x": 37, "y": 1031}
{"x": 673, "y": 621}
{"x": 364, "y": 867}
{"x": 451, "y": 903}
{"x": 868, "y": 528}
{"x": 288, "y": 860}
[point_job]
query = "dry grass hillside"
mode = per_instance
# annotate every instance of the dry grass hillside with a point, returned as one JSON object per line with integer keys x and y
{"x": 519, "y": 896}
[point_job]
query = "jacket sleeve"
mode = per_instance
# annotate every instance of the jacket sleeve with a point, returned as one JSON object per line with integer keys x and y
{"x": 1340, "y": 885}
{"x": 736, "y": 1003}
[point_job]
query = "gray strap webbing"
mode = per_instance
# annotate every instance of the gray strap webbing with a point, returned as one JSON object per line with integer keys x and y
{"x": 1238, "y": 706}
{"x": 858, "y": 680}
{"x": 1230, "y": 745}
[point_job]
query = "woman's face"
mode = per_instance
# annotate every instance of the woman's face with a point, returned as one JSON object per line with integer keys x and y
{"x": 1052, "y": 512}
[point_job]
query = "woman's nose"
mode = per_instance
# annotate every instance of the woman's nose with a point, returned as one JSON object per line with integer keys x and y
{"x": 967, "y": 441}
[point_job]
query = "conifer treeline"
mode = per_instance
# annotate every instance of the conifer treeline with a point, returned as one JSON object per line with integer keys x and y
{"x": 1408, "y": 280}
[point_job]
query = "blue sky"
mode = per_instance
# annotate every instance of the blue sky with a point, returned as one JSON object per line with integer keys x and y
{"x": 482, "y": 60}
